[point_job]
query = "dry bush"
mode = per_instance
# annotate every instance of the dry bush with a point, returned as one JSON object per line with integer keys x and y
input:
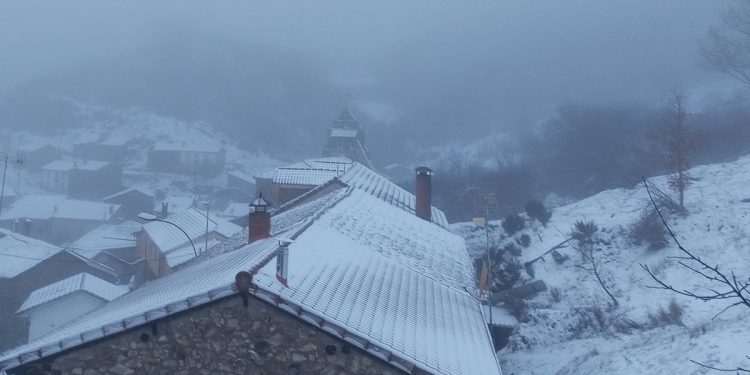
{"x": 649, "y": 230}
{"x": 664, "y": 316}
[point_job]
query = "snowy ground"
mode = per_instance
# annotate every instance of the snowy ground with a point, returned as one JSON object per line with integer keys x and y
{"x": 716, "y": 229}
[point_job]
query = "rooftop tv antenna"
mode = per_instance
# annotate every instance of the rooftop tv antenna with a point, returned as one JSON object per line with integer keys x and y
{"x": 18, "y": 162}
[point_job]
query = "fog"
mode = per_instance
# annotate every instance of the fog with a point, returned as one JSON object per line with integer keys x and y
{"x": 421, "y": 73}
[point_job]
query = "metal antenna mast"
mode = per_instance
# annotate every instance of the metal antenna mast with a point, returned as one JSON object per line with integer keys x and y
{"x": 2, "y": 189}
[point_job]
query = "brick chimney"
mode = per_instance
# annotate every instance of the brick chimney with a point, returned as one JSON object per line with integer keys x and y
{"x": 260, "y": 220}
{"x": 424, "y": 193}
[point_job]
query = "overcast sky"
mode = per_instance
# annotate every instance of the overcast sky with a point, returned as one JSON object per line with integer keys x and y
{"x": 516, "y": 60}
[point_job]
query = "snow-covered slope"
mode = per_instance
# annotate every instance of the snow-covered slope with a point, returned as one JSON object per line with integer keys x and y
{"x": 717, "y": 229}
{"x": 140, "y": 131}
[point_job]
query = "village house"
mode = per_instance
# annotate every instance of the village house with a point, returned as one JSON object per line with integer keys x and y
{"x": 132, "y": 200}
{"x": 94, "y": 179}
{"x": 58, "y": 303}
{"x": 27, "y": 264}
{"x": 56, "y": 218}
{"x": 170, "y": 242}
{"x": 55, "y": 175}
{"x": 193, "y": 159}
{"x": 111, "y": 249}
{"x": 82, "y": 179}
{"x": 345, "y": 283}
{"x": 347, "y": 138}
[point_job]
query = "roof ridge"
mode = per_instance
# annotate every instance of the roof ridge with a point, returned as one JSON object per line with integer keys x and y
{"x": 292, "y": 203}
{"x": 320, "y": 212}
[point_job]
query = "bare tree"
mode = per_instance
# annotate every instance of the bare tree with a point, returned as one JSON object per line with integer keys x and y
{"x": 724, "y": 286}
{"x": 584, "y": 234}
{"x": 676, "y": 142}
{"x": 727, "y": 47}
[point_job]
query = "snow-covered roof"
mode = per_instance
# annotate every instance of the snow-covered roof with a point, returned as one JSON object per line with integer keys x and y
{"x": 59, "y": 166}
{"x": 192, "y": 286}
{"x": 82, "y": 282}
{"x": 345, "y": 133}
{"x": 43, "y": 207}
{"x": 235, "y": 210}
{"x": 242, "y": 175}
{"x": 176, "y": 203}
{"x": 192, "y": 147}
{"x": 310, "y": 172}
{"x": 106, "y": 237}
{"x": 124, "y": 192}
{"x": 69, "y": 165}
{"x": 91, "y": 165}
{"x": 381, "y": 187}
{"x": 391, "y": 278}
{"x": 185, "y": 253}
{"x": 316, "y": 172}
{"x": 168, "y": 238}
{"x": 382, "y": 279}
{"x": 19, "y": 253}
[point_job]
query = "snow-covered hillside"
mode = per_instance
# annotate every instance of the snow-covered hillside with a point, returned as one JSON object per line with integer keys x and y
{"x": 554, "y": 339}
{"x": 140, "y": 131}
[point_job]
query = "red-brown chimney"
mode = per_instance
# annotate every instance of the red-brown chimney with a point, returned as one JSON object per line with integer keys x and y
{"x": 260, "y": 220}
{"x": 424, "y": 193}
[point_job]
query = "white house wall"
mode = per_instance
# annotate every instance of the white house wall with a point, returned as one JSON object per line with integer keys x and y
{"x": 45, "y": 318}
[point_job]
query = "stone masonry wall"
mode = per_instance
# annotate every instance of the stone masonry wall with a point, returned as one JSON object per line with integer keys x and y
{"x": 221, "y": 338}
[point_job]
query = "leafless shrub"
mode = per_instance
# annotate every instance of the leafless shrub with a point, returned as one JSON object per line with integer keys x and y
{"x": 664, "y": 316}
{"x": 556, "y": 295}
{"x": 649, "y": 230}
{"x": 518, "y": 307}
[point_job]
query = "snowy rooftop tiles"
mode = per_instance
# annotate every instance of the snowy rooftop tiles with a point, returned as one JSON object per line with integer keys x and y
{"x": 82, "y": 282}
{"x": 395, "y": 283}
{"x": 316, "y": 172}
{"x": 19, "y": 253}
{"x": 390, "y": 278}
{"x": 201, "y": 282}
{"x": 106, "y": 237}
{"x": 193, "y": 221}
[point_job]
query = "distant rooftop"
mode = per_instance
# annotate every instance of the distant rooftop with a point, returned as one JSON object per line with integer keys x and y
{"x": 43, "y": 207}
{"x": 192, "y": 147}
{"x": 193, "y": 221}
{"x": 69, "y": 165}
{"x": 315, "y": 172}
{"x": 106, "y": 237}
{"x": 82, "y": 282}
{"x": 19, "y": 253}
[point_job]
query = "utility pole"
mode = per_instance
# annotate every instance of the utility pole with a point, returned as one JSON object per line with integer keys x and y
{"x": 205, "y": 247}
{"x": 2, "y": 189}
{"x": 489, "y": 258}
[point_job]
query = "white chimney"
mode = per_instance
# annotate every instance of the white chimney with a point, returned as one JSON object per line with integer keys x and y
{"x": 282, "y": 264}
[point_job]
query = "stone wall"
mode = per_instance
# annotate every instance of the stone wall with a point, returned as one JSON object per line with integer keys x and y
{"x": 221, "y": 338}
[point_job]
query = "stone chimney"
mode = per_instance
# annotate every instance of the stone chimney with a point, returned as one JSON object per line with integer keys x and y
{"x": 424, "y": 193}
{"x": 259, "y": 225}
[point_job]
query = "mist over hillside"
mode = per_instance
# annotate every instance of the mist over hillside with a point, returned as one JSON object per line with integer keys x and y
{"x": 275, "y": 75}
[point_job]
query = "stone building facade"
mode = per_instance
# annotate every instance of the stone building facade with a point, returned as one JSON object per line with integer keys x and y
{"x": 223, "y": 337}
